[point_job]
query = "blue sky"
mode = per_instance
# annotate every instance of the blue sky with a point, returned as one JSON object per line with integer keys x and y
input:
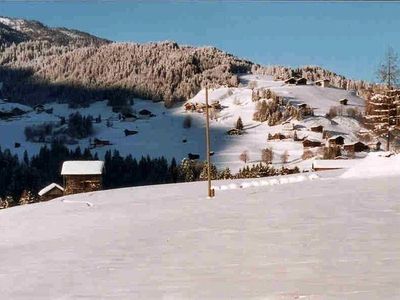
{"x": 348, "y": 38}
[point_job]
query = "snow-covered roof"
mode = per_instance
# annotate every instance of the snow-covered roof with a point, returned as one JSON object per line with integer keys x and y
{"x": 49, "y": 188}
{"x": 82, "y": 167}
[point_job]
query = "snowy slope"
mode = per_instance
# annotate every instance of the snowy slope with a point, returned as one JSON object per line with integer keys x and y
{"x": 315, "y": 239}
{"x": 164, "y": 134}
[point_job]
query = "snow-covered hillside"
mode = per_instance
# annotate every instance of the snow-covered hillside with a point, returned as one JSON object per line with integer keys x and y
{"x": 165, "y": 135}
{"x": 314, "y": 239}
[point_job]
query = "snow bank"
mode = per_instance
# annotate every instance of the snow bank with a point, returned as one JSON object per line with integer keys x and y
{"x": 266, "y": 182}
{"x": 375, "y": 165}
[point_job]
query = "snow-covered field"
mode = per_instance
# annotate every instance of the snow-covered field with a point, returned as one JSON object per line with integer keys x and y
{"x": 164, "y": 134}
{"x": 326, "y": 238}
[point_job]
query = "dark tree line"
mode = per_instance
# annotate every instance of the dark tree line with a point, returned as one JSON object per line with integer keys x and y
{"x": 77, "y": 127}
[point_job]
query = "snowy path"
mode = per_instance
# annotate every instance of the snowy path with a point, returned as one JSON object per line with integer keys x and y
{"x": 319, "y": 239}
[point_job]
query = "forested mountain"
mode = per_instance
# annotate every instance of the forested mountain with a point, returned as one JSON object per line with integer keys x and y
{"x": 40, "y": 64}
{"x": 18, "y": 30}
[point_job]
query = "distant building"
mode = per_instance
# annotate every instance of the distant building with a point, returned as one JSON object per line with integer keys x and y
{"x": 51, "y": 191}
{"x": 336, "y": 140}
{"x": 323, "y": 83}
{"x": 81, "y": 176}
{"x": 39, "y": 108}
{"x": 145, "y": 114}
{"x": 356, "y": 147}
{"x": 128, "y": 117}
{"x": 291, "y": 80}
{"x": 318, "y": 128}
{"x": 287, "y": 126}
{"x": 99, "y": 143}
{"x": 310, "y": 143}
{"x": 301, "y": 81}
{"x": 302, "y": 105}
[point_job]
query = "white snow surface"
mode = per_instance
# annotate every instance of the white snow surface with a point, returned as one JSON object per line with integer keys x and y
{"x": 375, "y": 165}
{"x": 49, "y": 188}
{"x": 328, "y": 238}
{"x": 82, "y": 167}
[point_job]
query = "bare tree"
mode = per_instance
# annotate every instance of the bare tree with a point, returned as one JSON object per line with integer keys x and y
{"x": 267, "y": 155}
{"x": 388, "y": 71}
{"x": 244, "y": 156}
{"x": 285, "y": 157}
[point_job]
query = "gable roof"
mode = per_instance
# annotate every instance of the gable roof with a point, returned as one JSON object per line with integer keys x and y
{"x": 49, "y": 188}
{"x": 82, "y": 167}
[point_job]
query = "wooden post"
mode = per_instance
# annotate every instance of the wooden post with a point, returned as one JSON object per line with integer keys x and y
{"x": 388, "y": 132}
{"x": 210, "y": 192}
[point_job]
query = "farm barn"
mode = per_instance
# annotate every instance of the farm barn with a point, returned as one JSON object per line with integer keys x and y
{"x": 50, "y": 192}
{"x": 81, "y": 176}
{"x": 323, "y": 83}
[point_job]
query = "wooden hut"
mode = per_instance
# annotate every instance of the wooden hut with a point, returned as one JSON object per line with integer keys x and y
{"x": 310, "y": 143}
{"x": 301, "y": 81}
{"x": 81, "y": 176}
{"x": 336, "y": 140}
{"x": 51, "y": 191}
{"x": 39, "y": 108}
{"x": 189, "y": 106}
{"x": 356, "y": 147}
{"x": 287, "y": 126}
{"x": 99, "y": 143}
{"x": 302, "y": 105}
{"x": 317, "y": 128}
{"x": 291, "y": 80}
{"x": 145, "y": 114}
{"x": 234, "y": 131}
{"x": 128, "y": 117}
{"x": 323, "y": 83}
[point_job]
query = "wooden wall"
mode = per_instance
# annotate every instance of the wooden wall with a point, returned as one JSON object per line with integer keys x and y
{"x": 53, "y": 193}
{"x": 74, "y": 184}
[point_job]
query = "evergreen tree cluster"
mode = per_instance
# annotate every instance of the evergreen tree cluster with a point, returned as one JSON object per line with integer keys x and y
{"x": 264, "y": 170}
{"x": 78, "y": 127}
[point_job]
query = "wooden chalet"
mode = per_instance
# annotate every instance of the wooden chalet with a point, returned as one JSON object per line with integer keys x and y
{"x": 81, "y": 176}
{"x": 375, "y": 146}
{"x": 323, "y": 83}
{"x": 356, "y": 147}
{"x": 145, "y": 114}
{"x": 301, "y": 81}
{"x": 287, "y": 126}
{"x": 128, "y": 117}
{"x": 310, "y": 143}
{"x": 277, "y": 136}
{"x": 189, "y": 106}
{"x": 336, "y": 140}
{"x": 317, "y": 128}
{"x": 302, "y": 105}
{"x": 99, "y": 143}
{"x": 216, "y": 105}
{"x": 234, "y": 131}
{"x": 50, "y": 192}
{"x": 343, "y": 101}
{"x": 291, "y": 80}
{"x": 130, "y": 132}
{"x": 39, "y": 108}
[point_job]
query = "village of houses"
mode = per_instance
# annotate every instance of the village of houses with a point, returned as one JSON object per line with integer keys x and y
{"x": 313, "y": 142}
